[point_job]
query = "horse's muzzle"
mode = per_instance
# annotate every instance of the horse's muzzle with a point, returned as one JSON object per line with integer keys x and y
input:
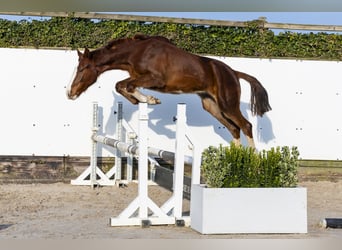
{"x": 70, "y": 96}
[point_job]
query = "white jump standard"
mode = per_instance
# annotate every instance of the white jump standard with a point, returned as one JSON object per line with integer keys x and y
{"x": 93, "y": 170}
{"x": 93, "y": 175}
{"x": 171, "y": 211}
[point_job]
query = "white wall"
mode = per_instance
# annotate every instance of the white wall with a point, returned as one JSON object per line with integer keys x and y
{"x": 37, "y": 118}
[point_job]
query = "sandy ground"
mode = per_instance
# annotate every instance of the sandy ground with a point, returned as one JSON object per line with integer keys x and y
{"x": 63, "y": 211}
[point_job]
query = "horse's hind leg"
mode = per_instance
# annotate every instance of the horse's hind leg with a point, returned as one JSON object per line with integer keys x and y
{"x": 232, "y": 120}
{"x": 211, "y": 106}
{"x": 228, "y": 98}
{"x": 237, "y": 118}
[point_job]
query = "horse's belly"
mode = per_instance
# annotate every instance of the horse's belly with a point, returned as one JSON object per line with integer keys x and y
{"x": 185, "y": 84}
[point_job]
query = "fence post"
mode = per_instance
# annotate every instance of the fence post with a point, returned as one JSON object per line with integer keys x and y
{"x": 93, "y": 160}
{"x": 143, "y": 159}
{"x": 179, "y": 160}
{"x": 118, "y": 154}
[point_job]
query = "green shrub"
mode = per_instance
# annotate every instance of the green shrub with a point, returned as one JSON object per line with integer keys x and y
{"x": 238, "y": 166}
{"x": 250, "y": 41}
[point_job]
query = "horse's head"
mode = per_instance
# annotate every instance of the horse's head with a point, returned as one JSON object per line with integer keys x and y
{"x": 86, "y": 75}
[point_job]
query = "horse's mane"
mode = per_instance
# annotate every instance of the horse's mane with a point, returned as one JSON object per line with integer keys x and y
{"x": 145, "y": 37}
{"x": 116, "y": 42}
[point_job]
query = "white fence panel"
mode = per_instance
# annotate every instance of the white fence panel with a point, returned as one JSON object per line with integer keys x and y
{"x": 37, "y": 118}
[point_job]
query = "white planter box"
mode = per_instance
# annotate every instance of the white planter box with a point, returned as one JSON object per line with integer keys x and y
{"x": 248, "y": 210}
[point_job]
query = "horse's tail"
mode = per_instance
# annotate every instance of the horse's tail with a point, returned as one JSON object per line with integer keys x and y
{"x": 259, "y": 96}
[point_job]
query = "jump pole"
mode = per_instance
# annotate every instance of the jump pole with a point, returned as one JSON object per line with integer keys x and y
{"x": 331, "y": 223}
{"x": 133, "y": 149}
{"x": 171, "y": 211}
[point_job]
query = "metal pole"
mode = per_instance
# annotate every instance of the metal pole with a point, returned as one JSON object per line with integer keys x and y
{"x": 129, "y": 170}
{"x": 331, "y": 223}
{"x": 134, "y": 149}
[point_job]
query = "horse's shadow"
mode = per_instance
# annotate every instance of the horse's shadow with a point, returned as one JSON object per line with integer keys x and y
{"x": 162, "y": 117}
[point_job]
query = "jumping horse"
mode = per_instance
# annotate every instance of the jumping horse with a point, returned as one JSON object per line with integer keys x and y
{"x": 154, "y": 63}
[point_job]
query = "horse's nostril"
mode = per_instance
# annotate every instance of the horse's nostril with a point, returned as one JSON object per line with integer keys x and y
{"x": 70, "y": 96}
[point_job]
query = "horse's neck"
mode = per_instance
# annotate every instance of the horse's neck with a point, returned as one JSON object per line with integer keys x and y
{"x": 109, "y": 59}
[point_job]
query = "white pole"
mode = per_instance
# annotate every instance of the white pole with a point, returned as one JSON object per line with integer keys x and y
{"x": 93, "y": 159}
{"x": 196, "y": 166}
{"x": 196, "y": 159}
{"x": 179, "y": 160}
{"x": 118, "y": 155}
{"x": 143, "y": 160}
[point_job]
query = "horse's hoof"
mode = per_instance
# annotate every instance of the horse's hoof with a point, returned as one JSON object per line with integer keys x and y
{"x": 152, "y": 100}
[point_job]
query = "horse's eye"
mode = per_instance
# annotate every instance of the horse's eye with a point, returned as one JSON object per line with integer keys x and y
{"x": 84, "y": 67}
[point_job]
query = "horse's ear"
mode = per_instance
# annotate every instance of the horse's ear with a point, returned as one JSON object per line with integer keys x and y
{"x": 86, "y": 52}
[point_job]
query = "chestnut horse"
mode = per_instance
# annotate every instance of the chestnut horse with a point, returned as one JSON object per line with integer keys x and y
{"x": 154, "y": 63}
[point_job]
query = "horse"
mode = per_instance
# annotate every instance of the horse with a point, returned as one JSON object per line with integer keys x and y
{"x": 155, "y": 63}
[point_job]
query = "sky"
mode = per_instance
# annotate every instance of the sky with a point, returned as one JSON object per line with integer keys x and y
{"x": 329, "y": 18}
{"x": 323, "y": 18}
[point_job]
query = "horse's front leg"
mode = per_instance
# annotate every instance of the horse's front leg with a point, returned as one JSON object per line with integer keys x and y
{"x": 145, "y": 98}
{"x": 121, "y": 87}
{"x": 145, "y": 81}
{"x": 129, "y": 90}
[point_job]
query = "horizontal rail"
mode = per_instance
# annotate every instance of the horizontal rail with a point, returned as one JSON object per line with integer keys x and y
{"x": 263, "y": 22}
{"x": 133, "y": 149}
